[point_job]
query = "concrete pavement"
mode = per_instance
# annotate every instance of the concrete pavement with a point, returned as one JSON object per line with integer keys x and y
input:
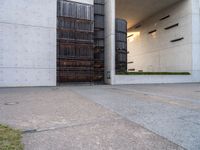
{"x": 169, "y": 110}
{"x": 105, "y": 117}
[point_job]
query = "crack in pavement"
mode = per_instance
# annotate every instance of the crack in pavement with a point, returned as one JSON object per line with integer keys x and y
{"x": 31, "y": 131}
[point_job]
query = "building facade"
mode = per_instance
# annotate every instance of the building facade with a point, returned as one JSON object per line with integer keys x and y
{"x": 165, "y": 39}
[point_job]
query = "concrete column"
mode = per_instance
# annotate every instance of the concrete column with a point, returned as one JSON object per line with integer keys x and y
{"x": 196, "y": 37}
{"x": 109, "y": 41}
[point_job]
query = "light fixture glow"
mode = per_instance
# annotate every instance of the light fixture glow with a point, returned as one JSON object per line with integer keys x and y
{"x": 132, "y": 36}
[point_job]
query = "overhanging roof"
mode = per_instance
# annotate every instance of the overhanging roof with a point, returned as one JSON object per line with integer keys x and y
{"x": 135, "y": 11}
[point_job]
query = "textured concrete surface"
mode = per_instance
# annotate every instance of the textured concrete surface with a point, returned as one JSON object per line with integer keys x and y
{"x": 182, "y": 55}
{"x": 109, "y": 41}
{"x": 155, "y": 53}
{"x": 170, "y": 110}
{"x": 28, "y": 43}
{"x": 61, "y": 118}
{"x": 110, "y": 135}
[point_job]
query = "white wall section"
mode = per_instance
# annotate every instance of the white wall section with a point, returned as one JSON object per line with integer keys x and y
{"x": 27, "y": 43}
{"x": 155, "y": 52}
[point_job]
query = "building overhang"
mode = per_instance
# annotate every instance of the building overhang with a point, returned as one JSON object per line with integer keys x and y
{"x": 134, "y": 11}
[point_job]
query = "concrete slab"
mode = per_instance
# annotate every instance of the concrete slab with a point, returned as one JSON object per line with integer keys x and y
{"x": 44, "y": 108}
{"x": 110, "y": 135}
{"x": 60, "y": 118}
{"x": 170, "y": 110}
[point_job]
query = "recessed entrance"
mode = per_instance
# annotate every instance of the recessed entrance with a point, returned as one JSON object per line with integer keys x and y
{"x": 80, "y": 41}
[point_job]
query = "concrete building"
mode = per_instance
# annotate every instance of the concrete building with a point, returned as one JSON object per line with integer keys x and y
{"x": 163, "y": 36}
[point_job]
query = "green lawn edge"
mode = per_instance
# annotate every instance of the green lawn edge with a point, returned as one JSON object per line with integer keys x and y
{"x": 154, "y": 73}
{"x": 10, "y": 139}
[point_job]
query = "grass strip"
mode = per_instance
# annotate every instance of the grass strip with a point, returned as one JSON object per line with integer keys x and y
{"x": 154, "y": 73}
{"x": 10, "y": 139}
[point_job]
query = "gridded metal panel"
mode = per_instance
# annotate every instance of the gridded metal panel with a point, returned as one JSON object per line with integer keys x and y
{"x": 121, "y": 46}
{"x": 99, "y": 9}
{"x": 99, "y": 2}
{"x": 121, "y": 37}
{"x": 99, "y": 21}
{"x": 99, "y": 40}
{"x": 75, "y": 42}
{"x": 121, "y": 25}
{"x": 70, "y": 9}
{"x": 99, "y": 34}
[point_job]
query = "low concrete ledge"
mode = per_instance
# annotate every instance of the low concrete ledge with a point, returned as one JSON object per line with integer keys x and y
{"x": 156, "y": 79}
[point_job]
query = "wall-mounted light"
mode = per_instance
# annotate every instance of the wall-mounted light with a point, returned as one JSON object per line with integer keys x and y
{"x": 132, "y": 36}
{"x": 153, "y": 33}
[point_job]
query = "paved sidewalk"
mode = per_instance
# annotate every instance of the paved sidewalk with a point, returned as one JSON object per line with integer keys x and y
{"x": 169, "y": 110}
{"x": 94, "y": 117}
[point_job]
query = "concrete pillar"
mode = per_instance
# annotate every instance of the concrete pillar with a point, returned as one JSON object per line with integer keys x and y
{"x": 196, "y": 37}
{"x": 109, "y": 41}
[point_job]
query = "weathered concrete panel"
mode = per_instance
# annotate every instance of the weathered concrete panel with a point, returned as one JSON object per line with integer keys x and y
{"x": 26, "y": 46}
{"x": 21, "y": 77}
{"x": 29, "y": 12}
{"x": 28, "y": 43}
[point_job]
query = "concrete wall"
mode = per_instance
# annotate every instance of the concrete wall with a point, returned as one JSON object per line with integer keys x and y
{"x": 155, "y": 52}
{"x": 27, "y": 43}
{"x": 187, "y": 50}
